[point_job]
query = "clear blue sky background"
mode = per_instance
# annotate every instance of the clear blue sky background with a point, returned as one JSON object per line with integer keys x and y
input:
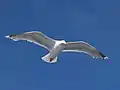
{"x": 94, "y": 21}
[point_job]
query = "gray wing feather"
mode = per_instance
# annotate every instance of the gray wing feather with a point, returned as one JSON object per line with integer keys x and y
{"x": 84, "y": 47}
{"x": 79, "y": 46}
{"x": 35, "y": 37}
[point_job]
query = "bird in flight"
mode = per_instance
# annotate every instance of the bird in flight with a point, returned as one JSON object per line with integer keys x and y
{"x": 55, "y": 47}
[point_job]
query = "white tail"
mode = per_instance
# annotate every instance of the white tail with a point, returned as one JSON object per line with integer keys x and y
{"x": 46, "y": 58}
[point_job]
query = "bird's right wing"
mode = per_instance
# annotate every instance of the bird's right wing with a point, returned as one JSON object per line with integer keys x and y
{"x": 34, "y": 37}
{"x": 84, "y": 47}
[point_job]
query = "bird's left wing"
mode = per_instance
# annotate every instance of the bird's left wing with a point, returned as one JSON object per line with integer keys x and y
{"x": 35, "y": 37}
{"x": 84, "y": 47}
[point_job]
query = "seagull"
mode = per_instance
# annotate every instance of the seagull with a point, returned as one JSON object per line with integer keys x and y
{"x": 55, "y": 47}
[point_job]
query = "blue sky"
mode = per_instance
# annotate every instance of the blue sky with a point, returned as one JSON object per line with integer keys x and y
{"x": 94, "y": 21}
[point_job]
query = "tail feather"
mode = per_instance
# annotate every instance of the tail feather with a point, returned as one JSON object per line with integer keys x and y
{"x": 47, "y": 59}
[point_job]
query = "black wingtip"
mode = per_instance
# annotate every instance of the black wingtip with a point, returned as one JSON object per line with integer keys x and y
{"x": 103, "y": 56}
{"x": 9, "y": 36}
{"x": 12, "y": 35}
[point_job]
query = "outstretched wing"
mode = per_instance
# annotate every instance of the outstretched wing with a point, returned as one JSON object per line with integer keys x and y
{"x": 35, "y": 37}
{"x": 84, "y": 47}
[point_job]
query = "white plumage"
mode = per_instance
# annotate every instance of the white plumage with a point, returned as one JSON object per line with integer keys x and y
{"x": 55, "y": 47}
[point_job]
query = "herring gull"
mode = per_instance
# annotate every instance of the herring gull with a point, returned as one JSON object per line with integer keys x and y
{"x": 55, "y": 47}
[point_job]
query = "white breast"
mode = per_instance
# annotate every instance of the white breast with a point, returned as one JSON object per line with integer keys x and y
{"x": 58, "y": 47}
